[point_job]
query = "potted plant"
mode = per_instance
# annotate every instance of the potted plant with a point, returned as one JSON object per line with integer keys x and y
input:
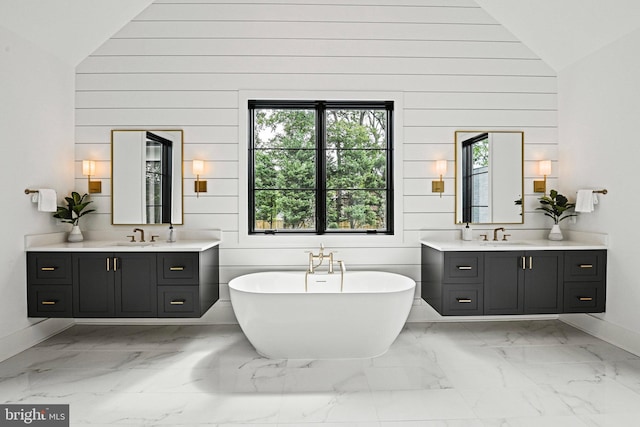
{"x": 557, "y": 207}
{"x": 72, "y": 212}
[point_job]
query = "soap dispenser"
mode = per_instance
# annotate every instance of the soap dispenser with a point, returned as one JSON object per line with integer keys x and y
{"x": 171, "y": 235}
{"x": 467, "y": 233}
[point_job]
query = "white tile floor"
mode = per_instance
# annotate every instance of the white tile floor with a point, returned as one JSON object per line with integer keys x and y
{"x": 529, "y": 373}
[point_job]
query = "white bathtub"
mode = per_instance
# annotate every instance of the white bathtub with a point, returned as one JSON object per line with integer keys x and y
{"x": 282, "y": 321}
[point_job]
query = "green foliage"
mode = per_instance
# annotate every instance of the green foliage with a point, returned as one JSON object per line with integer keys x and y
{"x": 556, "y": 206}
{"x": 285, "y": 168}
{"x": 75, "y": 208}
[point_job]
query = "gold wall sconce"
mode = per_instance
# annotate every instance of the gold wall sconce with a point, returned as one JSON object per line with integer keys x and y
{"x": 200, "y": 186}
{"x": 441, "y": 169}
{"x": 544, "y": 169}
{"x": 89, "y": 170}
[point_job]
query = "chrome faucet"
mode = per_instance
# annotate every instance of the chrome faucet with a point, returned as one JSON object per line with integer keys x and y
{"x": 495, "y": 233}
{"x": 141, "y": 233}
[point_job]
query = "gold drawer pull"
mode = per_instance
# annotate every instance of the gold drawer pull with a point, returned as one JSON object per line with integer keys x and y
{"x": 464, "y": 300}
{"x": 464, "y": 267}
{"x": 49, "y": 268}
{"x": 586, "y": 265}
{"x": 585, "y": 299}
{"x": 177, "y": 302}
{"x": 176, "y": 268}
{"x": 49, "y": 302}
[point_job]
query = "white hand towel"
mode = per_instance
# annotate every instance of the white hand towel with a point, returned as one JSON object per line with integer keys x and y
{"x": 47, "y": 200}
{"x": 585, "y": 201}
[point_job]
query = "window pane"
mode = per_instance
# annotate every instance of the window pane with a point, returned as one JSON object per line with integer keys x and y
{"x": 285, "y": 169}
{"x": 365, "y": 169}
{"x": 275, "y": 128}
{"x": 281, "y": 210}
{"x": 348, "y": 129}
{"x": 356, "y": 210}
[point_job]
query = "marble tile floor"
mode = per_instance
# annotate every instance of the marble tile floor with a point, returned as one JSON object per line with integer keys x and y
{"x": 525, "y": 373}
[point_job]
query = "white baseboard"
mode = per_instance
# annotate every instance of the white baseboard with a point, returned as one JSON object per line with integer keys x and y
{"x": 607, "y": 331}
{"x": 28, "y": 337}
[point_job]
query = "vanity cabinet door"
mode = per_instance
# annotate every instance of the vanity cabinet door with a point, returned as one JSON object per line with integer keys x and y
{"x": 503, "y": 283}
{"x": 93, "y": 290}
{"x": 135, "y": 284}
{"x": 543, "y": 282}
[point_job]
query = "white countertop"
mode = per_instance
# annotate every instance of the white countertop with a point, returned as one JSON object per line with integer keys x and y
{"x": 123, "y": 246}
{"x": 513, "y": 245}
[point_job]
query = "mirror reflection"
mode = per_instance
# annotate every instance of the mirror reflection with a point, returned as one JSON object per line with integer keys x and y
{"x": 489, "y": 177}
{"x": 146, "y": 172}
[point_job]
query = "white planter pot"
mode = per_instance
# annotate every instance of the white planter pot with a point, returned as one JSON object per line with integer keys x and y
{"x": 555, "y": 233}
{"x": 75, "y": 235}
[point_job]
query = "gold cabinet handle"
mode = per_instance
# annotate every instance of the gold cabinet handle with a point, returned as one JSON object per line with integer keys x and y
{"x": 586, "y": 265}
{"x": 585, "y": 299}
{"x": 530, "y": 263}
{"x": 463, "y": 300}
{"x": 524, "y": 263}
{"x": 115, "y": 264}
{"x": 464, "y": 267}
{"x": 48, "y": 302}
{"x": 108, "y": 264}
{"x": 48, "y": 268}
{"x": 179, "y": 268}
{"x": 177, "y": 302}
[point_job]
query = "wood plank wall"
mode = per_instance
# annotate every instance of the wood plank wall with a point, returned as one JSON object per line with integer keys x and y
{"x": 181, "y": 64}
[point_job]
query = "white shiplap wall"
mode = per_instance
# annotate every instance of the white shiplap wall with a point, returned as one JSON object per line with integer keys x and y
{"x": 184, "y": 64}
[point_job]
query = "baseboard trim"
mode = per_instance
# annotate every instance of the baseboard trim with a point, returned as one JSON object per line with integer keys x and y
{"x": 25, "y": 338}
{"x": 607, "y": 331}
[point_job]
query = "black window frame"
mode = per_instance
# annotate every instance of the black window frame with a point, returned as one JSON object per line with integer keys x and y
{"x": 320, "y": 108}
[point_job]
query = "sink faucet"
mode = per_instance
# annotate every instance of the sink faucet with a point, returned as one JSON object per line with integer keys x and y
{"x": 495, "y": 233}
{"x": 141, "y": 233}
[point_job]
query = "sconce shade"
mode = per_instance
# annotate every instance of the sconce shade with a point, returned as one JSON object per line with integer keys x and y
{"x": 441, "y": 167}
{"x": 88, "y": 167}
{"x": 198, "y": 167}
{"x": 544, "y": 167}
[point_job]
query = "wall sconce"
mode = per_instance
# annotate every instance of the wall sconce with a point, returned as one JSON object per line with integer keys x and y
{"x": 441, "y": 169}
{"x": 544, "y": 169}
{"x": 89, "y": 169}
{"x": 198, "y": 169}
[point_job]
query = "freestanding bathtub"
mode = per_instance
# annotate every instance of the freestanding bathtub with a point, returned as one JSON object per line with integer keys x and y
{"x": 283, "y": 321}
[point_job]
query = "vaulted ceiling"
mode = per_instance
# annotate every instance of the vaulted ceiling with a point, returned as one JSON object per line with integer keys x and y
{"x": 560, "y": 32}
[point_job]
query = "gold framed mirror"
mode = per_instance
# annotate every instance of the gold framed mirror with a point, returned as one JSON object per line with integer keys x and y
{"x": 146, "y": 176}
{"x": 489, "y": 177}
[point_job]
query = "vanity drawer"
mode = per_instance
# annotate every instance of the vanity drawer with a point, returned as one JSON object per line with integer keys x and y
{"x": 49, "y": 268}
{"x": 49, "y": 301}
{"x": 178, "y": 268}
{"x": 463, "y": 267}
{"x": 584, "y": 297}
{"x": 584, "y": 265}
{"x": 178, "y": 301}
{"x": 462, "y": 300}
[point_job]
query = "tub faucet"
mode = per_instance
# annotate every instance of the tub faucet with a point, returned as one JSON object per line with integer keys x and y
{"x": 320, "y": 257}
{"x": 141, "y": 233}
{"x": 495, "y": 233}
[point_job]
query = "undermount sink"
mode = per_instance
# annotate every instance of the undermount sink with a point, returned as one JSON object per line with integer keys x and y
{"x": 133, "y": 243}
{"x": 503, "y": 243}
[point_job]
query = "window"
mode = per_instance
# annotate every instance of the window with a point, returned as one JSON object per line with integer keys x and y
{"x": 320, "y": 167}
{"x": 475, "y": 174}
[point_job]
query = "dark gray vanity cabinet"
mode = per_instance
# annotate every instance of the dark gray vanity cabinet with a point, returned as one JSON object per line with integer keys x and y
{"x": 514, "y": 282}
{"x": 122, "y": 284}
{"x": 50, "y": 281}
{"x": 114, "y": 284}
{"x": 585, "y": 275}
{"x": 518, "y": 282}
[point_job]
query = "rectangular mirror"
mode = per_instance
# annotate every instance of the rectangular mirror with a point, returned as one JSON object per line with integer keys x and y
{"x": 146, "y": 177}
{"x": 489, "y": 177}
